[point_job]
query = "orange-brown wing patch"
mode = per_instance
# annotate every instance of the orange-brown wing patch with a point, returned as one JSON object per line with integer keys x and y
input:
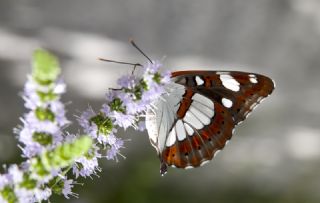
{"x": 202, "y": 145}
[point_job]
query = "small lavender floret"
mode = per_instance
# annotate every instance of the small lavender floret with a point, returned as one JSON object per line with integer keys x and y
{"x": 127, "y": 81}
{"x": 115, "y": 144}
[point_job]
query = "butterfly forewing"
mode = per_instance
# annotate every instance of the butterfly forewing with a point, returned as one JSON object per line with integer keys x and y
{"x": 240, "y": 92}
{"x": 197, "y": 116}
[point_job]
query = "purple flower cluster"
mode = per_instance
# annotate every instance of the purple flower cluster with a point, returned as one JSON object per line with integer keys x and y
{"x": 42, "y": 125}
{"x": 123, "y": 108}
{"x": 51, "y": 153}
{"x": 67, "y": 188}
{"x": 14, "y": 179}
{"x": 115, "y": 144}
{"x": 135, "y": 95}
{"x": 41, "y": 131}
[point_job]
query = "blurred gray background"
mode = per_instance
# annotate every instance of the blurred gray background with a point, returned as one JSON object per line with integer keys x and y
{"x": 274, "y": 155}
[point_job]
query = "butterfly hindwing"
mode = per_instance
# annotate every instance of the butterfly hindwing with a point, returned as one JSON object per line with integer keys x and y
{"x": 197, "y": 116}
{"x": 201, "y": 138}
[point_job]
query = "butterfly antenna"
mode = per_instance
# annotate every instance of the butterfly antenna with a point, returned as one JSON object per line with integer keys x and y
{"x": 135, "y": 46}
{"x": 119, "y": 62}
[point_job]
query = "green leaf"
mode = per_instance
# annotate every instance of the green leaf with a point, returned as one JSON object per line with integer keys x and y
{"x": 42, "y": 138}
{"x": 28, "y": 182}
{"x": 116, "y": 105}
{"x": 104, "y": 124}
{"x": 46, "y": 96}
{"x": 57, "y": 186}
{"x": 62, "y": 156}
{"x": 7, "y": 193}
{"x": 157, "y": 78}
{"x": 45, "y": 67}
{"x": 44, "y": 114}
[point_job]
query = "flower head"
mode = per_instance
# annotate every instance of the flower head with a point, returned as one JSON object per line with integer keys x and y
{"x": 67, "y": 188}
{"x": 87, "y": 164}
{"x": 123, "y": 120}
{"x": 15, "y": 174}
{"x": 115, "y": 144}
{"x": 42, "y": 125}
{"x": 127, "y": 81}
{"x": 153, "y": 67}
{"x": 4, "y": 180}
{"x": 89, "y": 127}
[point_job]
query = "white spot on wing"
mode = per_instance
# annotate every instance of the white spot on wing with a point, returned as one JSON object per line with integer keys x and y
{"x": 204, "y": 109}
{"x": 222, "y": 72}
{"x": 199, "y": 81}
{"x": 253, "y": 106}
{"x": 216, "y": 153}
{"x": 230, "y": 83}
{"x": 226, "y": 102}
{"x": 202, "y": 117}
{"x": 171, "y": 138}
{"x": 261, "y": 100}
{"x": 253, "y": 78}
{"x": 188, "y": 167}
{"x": 204, "y": 162}
{"x": 181, "y": 132}
{"x": 189, "y": 130}
{"x": 192, "y": 120}
{"x": 203, "y": 100}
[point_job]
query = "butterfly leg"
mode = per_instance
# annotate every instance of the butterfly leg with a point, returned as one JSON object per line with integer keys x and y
{"x": 134, "y": 69}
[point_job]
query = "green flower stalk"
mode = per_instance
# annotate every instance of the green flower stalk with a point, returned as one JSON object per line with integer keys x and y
{"x": 45, "y": 67}
{"x": 43, "y": 123}
{"x": 37, "y": 182}
{"x": 51, "y": 153}
{"x": 60, "y": 157}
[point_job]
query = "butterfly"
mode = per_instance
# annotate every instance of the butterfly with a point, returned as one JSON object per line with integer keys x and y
{"x": 190, "y": 124}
